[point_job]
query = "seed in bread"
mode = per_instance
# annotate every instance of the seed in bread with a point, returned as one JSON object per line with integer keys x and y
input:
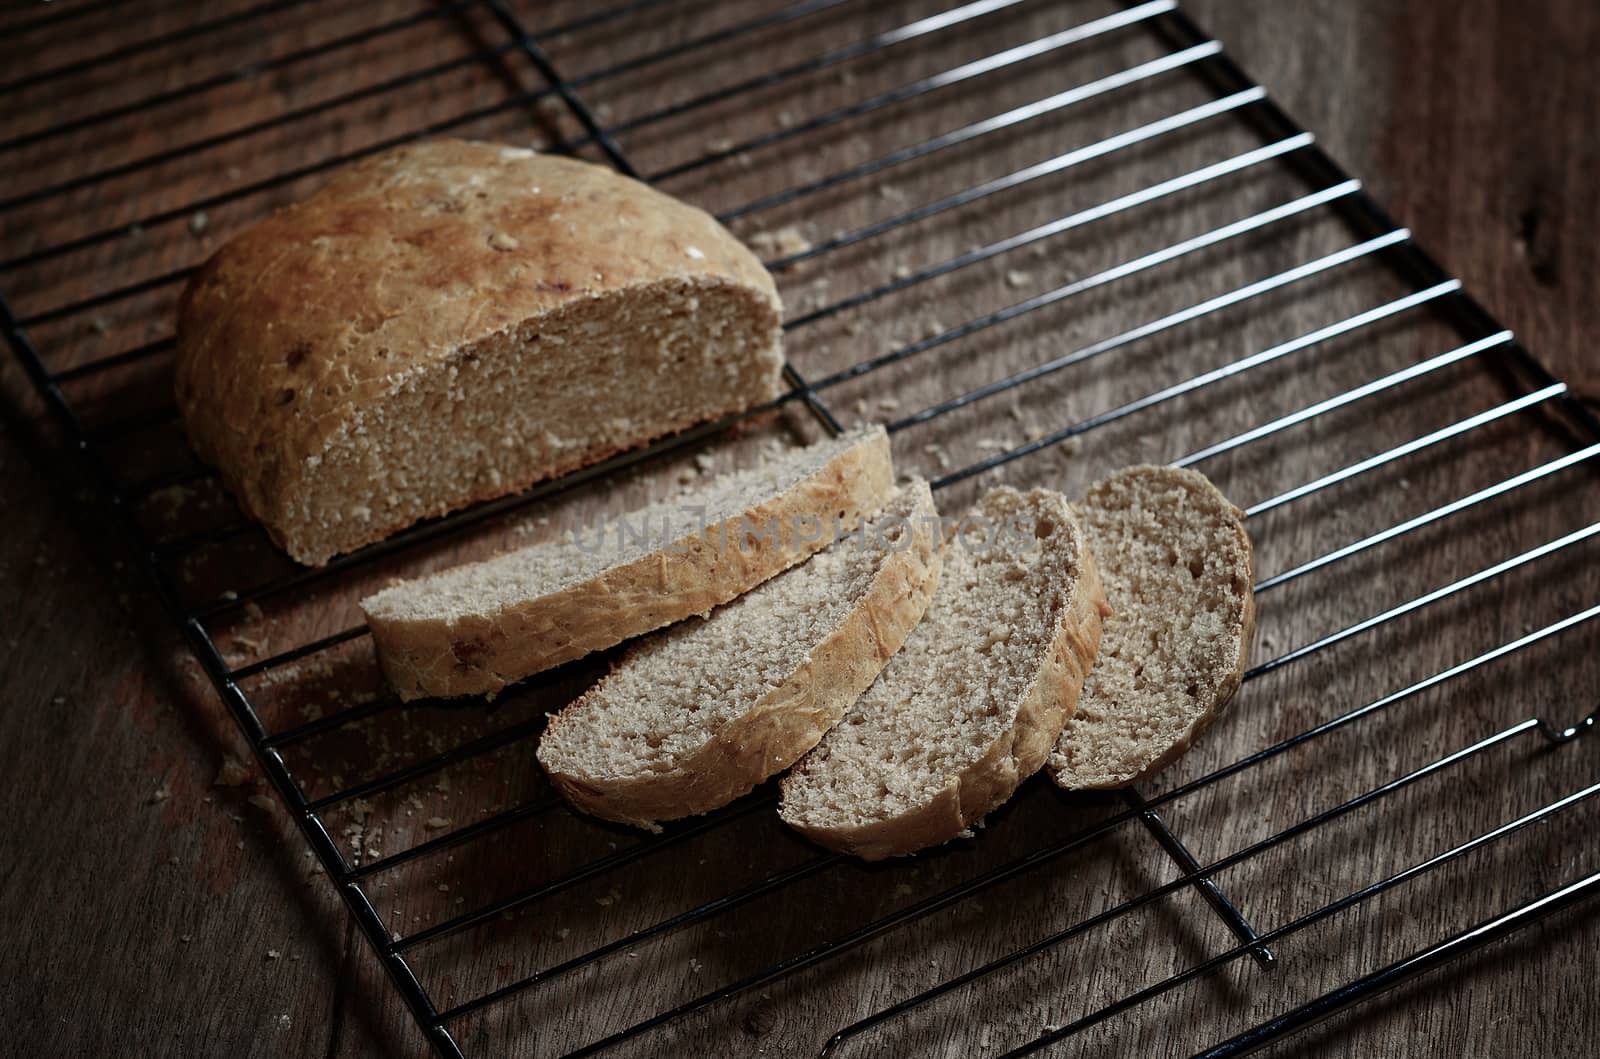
{"x": 452, "y": 321}
{"x": 1178, "y": 573}
{"x": 473, "y": 629}
{"x": 974, "y": 700}
{"x": 696, "y": 715}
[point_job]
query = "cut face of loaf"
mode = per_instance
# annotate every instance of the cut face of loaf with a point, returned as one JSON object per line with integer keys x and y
{"x": 476, "y": 628}
{"x": 452, "y": 321}
{"x": 1179, "y": 577}
{"x": 973, "y": 702}
{"x": 698, "y": 714}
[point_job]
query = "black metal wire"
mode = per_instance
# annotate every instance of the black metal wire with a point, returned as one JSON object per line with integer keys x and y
{"x": 1197, "y": 872}
{"x": 1237, "y": 95}
{"x": 1309, "y": 919}
{"x": 165, "y": 40}
{"x": 1377, "y": 983}
{"x": 945, "y": 79}
{"x": 195, "y": 88}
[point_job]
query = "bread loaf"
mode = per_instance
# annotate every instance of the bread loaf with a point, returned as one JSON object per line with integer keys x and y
{"x": 696, "y": 715}
{"x": 476, "y": 628}
{"x": 452, "y": 321}
{"x": 973, "y": 702}
{"x": 1177, "y": 567}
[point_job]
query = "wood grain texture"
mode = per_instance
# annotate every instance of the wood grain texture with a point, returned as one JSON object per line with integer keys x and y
{"x": 144, "y": 902}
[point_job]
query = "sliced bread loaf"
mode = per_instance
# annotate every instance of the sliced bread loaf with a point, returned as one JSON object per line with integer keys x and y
{"x": 450, "y": 321}
{"x": 973, "y": 702}
{"x": 1178, "y": 574}
{"x": 698, "y": 714}
{"x": 476, "y": 628}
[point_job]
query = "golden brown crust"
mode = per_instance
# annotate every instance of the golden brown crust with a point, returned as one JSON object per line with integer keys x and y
{"x": 482, "y": 653}
{"x": 331, "y": 305}
{"x": 791, "y": 718}
{"x": 1243, "y": 622}
{"x": 1019, "y": 751}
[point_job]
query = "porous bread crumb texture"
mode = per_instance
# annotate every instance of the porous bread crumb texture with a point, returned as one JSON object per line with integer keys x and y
{"x": 1178, "y": 572}
{"x": 556, "y": 393}
{"x": 698, "y": 714}
{"x": 974, "y": 700}
{"x": 475, "y": 628}
{"x": 453, "y": 321}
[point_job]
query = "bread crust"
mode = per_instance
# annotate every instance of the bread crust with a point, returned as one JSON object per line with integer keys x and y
{"x": 787, "y": 721}
{"x": 483, "y": 653}
{"x": 1242, "y": 624}
{"x": 1020, "y": 749}
{"x": 396, "y": 269}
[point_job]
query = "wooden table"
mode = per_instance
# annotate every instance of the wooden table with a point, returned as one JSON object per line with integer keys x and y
{"x": 150, "y": 911}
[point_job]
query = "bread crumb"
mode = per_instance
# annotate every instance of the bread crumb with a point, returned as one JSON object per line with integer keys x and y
{"x": 784, "y": 242}
{"x": 902, "y": 271}
{"x": 162, "y": 793}
{"x": 852, "y": 327}
{"x": 934, "y": 329}
{"x": 563, "y": 932}
{"x": 502, "y": 241}
{"x": 888, "y": 404}
{"x": 436, "y": 823}
{"x": 262, "y": 802}
{"x": 273, "y": 954}
{"x": 199, "y": 221}
{"x": 785, "y": 119}
{"x": 695, "y": 253}
{"x": 704, "y": 462}
{"x": 1018, "y": 278}
{"x": 185, "y": 938}
{"x": 444, "y": 887}
{"x": 938, "y": 453}
{"x": 100, "y": 325}
{"x": 720, "y": 145}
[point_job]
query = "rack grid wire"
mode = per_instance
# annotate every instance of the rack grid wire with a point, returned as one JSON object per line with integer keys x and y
{"x": 897, "y": 164}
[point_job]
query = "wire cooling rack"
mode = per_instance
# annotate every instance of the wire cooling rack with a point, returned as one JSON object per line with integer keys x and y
{"x": 1040, "y": 240}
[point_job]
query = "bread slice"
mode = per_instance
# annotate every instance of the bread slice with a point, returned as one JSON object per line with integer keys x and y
{"x": 973, "y": 702}
{"x": 1179, "y": 576}
{"x": 696, "y": 715}
{"x": 476, "y": 628}
{"x": 451, "y": 321}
